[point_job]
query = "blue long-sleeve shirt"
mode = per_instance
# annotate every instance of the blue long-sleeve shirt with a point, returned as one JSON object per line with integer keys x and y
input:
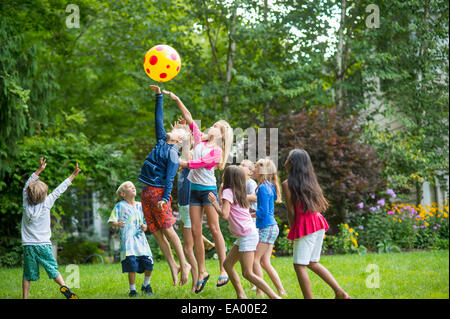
{"x": 161, "y": 165}
{"x": 266, "y": 195}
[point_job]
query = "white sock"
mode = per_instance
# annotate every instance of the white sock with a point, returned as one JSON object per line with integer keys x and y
{"x": 133, "y": 287}
{"x": 146, "y": 280}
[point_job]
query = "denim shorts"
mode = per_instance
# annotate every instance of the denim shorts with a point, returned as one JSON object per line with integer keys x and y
{"x": 137, "y": 264}
{"x": 200, "y": 198}
{"x": 269, "y": 234}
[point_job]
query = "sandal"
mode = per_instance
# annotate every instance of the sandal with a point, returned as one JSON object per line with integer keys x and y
{"x": 202, "y": 283}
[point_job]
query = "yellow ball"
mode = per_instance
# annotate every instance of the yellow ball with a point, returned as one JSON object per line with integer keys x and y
{"x": 162, "y": 63}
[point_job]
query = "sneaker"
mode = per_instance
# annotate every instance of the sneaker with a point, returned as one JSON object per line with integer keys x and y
{"x": 68, "y": 293}
{"x": 133, "y": 293}
{"x": 147, "y": 290}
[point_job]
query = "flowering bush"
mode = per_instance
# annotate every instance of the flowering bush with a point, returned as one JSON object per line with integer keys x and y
{"x": 345, "y": 242}
{"x": 405, "y": 225}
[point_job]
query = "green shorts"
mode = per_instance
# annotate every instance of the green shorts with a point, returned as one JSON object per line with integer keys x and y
{"x": 35, "y": 255}
{"x": 184, "y": 216}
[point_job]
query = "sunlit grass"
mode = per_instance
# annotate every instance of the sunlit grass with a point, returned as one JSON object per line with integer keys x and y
{"x": 409, "y": 275}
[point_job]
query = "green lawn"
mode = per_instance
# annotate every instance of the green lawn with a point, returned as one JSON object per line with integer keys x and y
{"x": 414, "y": 275}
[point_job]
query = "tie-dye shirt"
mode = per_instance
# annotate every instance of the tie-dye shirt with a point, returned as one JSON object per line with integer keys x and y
{"x": 132, "y": 239}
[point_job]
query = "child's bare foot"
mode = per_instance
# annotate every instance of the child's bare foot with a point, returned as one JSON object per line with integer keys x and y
{"x": 174, "y": 272}
{"x": 342, "y": 295}
{"x": 209, "y": 246}
{"x": 185, "y": 270}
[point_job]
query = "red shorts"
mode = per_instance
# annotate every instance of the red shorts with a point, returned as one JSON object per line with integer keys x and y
{"x": 156, "y": 218}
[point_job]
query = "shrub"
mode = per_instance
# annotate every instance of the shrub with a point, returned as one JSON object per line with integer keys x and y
{"x": 76, "y": 251}
{"x": 347, "y": 169}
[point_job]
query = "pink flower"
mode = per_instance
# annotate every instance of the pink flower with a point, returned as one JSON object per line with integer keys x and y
{"x": 360, "y": 205}
{"x": 391, "y": 212}
{"x": 414, "y": 226}
{"x": 391, "y": 192}
{"x": 381, "y": 202}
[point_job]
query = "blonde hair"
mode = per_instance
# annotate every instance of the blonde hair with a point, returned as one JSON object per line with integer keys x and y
{"x": 268, "y": 172}
{"x": 36, "y": 192}
{"x": 182, "y": 130}
{"x": 227, "y": 140}
{"x": 249, "y": 164}
{"x": 121, "y": 188}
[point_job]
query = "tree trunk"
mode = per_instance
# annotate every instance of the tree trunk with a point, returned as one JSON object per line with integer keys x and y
{"x": 340, "y": 75}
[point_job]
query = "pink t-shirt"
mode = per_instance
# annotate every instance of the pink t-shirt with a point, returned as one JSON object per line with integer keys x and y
{"x": 240, "y": 221}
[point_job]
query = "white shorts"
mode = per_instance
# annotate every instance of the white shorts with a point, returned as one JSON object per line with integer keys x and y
{"x": 308, "y": 248}
{"x": 249, "y": 242}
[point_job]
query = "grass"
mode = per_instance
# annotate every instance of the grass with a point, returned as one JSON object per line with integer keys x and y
{"x": 412, "y": 275}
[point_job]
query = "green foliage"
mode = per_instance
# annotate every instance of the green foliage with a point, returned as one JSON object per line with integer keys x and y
{"x": 77, "y": 250}
{"x": 347, "y": 169}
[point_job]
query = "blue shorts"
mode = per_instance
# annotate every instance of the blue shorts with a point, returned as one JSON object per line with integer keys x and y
{"x": 200, "y": 198}
{"x": 269, "y": 234}
{"x": 137, "y": 264}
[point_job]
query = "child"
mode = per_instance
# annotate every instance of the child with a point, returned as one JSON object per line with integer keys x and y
{"x": 235, "y": 208}
{"x": 185, "y": 223}
{"x": 209, "y": 151}
{"x": 267, "y": 193}
{"x": 305, "y": 202}
{"x": 36, "y": 232}
{"x": 250, "y": 184}
{"x": 157, "y": 175}
{"x": 135, "y": 253}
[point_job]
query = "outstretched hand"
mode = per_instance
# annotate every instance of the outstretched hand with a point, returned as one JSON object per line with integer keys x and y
{"x": 42, "y": 165}
{"x": 155, "y": 89}
{"x": 172, "y": 96}
{"x": 75, "y": 172}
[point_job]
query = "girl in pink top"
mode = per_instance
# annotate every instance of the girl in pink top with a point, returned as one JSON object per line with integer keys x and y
{"x": 305, "y": 202}
{"x": 210, "y": 151}
{"x": 235, "y": 208}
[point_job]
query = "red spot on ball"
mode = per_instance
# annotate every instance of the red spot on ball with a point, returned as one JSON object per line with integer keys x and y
{"x": 148, "y": 71}
{"x": 163, "y": 75}
{"x": 173, "y": 56}
{"x": 168, "y": 66}
{"x": 178, "y": 68}
{"x": 153, "y": 59}
{"x": 159, "y": 48}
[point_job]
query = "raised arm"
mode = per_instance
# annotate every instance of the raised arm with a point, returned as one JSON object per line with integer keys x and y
{"x": 50, "y": 200}
{"x": 33, "y": 177}
{"x": 159, "y": 114}
{"x": 184, "y": 111}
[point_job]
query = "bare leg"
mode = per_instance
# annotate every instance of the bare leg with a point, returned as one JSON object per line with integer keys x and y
{"x": 188, "y": 245}
{"x": 167, "y": 252}
{"x": 208, "y": 245}
{"x": 59, "y": 280}
{"x": 214, "y": 227}
{"x": 196, "y": 215}
{"x": 303, "y": 280}
{"x": 231, "y": 259}
{"x": 176, "y": 243}
{"x": 25, "y": 288}
{"x": 247, "y": 260}
{"x": 260, "y": 250}
{"x": 266, "y": 264}
{"x": 132, "y": 278}
{"x": 326, "y": 276}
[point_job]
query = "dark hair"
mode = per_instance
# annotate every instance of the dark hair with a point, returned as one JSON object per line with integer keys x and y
{"x": 234, "y": 178}
{"x": 302, "y": 182}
